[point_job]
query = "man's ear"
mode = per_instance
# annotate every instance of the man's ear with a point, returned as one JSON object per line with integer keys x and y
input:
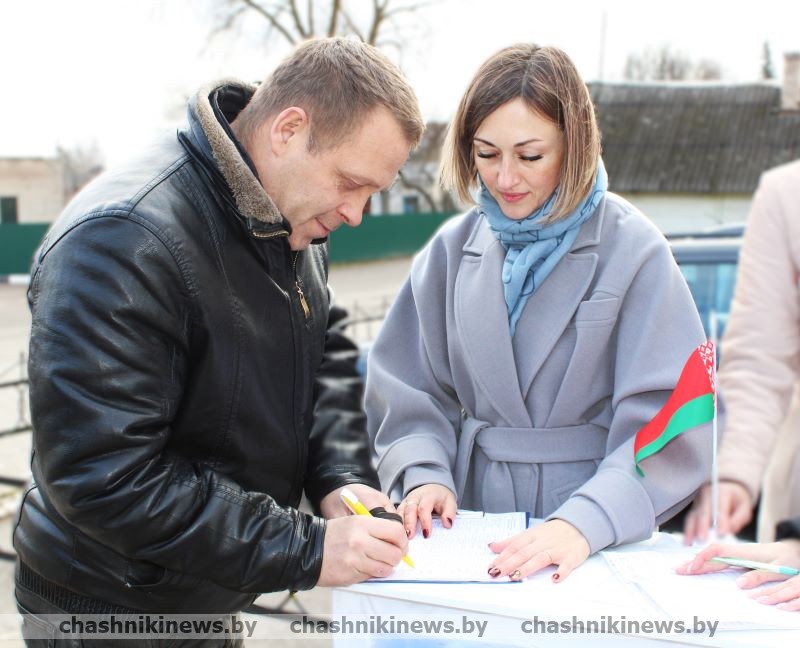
{"x": 288, "y": 128}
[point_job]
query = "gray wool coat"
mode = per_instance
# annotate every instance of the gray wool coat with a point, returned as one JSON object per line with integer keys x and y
{"x": 543, "y": 422}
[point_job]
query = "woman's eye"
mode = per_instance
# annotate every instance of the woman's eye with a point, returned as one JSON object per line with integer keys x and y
{"x": 531, "y": 158}
{"x": 486, "y": 156}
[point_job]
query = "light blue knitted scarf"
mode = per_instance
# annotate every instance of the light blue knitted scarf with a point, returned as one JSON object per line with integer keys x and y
{"x": 533, "y": 249}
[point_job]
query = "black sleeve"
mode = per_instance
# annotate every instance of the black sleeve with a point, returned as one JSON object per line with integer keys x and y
{"x": 788, "y": 529}
{"x": 338, "y": 451}
{"x": 109, "y": 354}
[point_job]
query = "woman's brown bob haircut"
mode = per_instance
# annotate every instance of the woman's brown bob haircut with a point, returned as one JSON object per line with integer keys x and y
{"x": 338, "y": 82}
{"x": 547, "y": 81}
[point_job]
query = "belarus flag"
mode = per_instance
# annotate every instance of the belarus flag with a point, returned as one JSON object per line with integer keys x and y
{"x": 691, "y": 404}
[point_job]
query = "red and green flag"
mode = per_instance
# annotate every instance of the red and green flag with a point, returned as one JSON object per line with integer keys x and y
{"x": 691, "y": 404}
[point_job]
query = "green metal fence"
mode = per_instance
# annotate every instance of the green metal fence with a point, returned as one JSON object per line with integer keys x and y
{"x": 17, "y": 244}
{"x": 378, "y": 237}
{"x": 384, "y": 236}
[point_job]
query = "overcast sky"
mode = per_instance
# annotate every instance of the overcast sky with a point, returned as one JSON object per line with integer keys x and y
{"x": 115, "y": 72}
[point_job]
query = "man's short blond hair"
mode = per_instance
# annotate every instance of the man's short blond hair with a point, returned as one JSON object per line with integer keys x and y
{"x": 547, "y": 81}
{"x": 338, "y": 82}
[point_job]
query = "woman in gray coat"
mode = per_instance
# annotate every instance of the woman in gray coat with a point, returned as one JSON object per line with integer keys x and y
{"x": 535, "y": 335}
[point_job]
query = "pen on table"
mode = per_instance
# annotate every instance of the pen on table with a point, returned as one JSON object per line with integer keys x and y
{"x": 752, "y": 564}
{"x": 354, "y": 504}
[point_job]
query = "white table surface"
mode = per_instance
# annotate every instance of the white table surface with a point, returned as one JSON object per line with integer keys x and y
{"x": 593, "y": 592}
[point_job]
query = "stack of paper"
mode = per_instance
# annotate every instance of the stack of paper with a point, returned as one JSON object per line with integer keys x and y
{"x": 461, "y": 553}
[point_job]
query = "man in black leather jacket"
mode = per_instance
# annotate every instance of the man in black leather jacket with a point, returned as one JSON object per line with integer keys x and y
{"x": 183, "y": 385}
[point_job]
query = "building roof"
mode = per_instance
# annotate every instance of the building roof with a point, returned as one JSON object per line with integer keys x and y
{"x": 700, "y": 138}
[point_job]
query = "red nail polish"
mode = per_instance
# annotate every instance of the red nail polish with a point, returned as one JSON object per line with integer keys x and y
{"x": 408, "y": 532}
{"x": 425, "y": 533}
{"x": 556, "y": 577}
{"x": 494, "y": 572}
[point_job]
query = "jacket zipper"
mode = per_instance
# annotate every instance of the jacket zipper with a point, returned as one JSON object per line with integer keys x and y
{"x": 300, "y": 377}
{"x": 269, "y": 235}
{"x": 303, "y": 302}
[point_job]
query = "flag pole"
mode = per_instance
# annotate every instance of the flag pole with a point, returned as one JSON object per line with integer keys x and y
{"x": 712, "y": 326}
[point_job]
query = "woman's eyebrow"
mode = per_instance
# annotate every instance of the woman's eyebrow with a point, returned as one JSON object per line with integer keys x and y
{"x": 528, "y": 141}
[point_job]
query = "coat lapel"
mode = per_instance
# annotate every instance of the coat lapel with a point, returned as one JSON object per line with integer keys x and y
{"x": 481, "y": 319}
{"x": 552, "y": 306}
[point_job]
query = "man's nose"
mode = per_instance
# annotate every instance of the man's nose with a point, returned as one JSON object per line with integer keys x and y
{"x": 352, "y": 214}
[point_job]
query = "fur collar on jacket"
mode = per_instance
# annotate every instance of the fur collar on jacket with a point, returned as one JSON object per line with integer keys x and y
{"x": 250, "y": 197}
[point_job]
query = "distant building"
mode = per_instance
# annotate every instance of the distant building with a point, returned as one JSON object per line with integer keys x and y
{"x": 417, "y": 189}
{"x": 31, "y": 190}
{"x": 690, "y": 155}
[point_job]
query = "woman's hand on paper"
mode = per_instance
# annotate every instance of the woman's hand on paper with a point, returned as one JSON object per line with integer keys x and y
{"x": 555, "y": 542}
{"x": 735, "y": 511}
{"x": 785, "y": 595}
{"x": 421, "y": 503}
{"x": 785, "y": 552}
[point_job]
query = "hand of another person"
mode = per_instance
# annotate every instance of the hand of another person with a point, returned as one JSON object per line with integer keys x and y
{"x": 421, "y": 503}
{"x": 785, "y": 595}
{"x": 332, "y": 505}
{"x": 359, "y": 547}
{"x": 785, "y": 552}
{"x": 735, "y": 511}
{"x": 554, "y": 542}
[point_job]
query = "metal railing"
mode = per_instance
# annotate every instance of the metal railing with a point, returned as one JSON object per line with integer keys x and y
{"x": 364, "y": 320}
{"x": 21, "y": 385}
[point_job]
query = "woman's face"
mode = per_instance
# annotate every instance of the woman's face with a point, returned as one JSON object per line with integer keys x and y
{"x": 518, "y": 155}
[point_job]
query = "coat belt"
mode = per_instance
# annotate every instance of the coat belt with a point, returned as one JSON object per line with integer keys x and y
{"x": 504, "y": 445}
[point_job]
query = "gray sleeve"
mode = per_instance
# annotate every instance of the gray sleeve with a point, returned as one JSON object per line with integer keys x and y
{"x": 657, "y": 330}
{"x": 412, "y": 411}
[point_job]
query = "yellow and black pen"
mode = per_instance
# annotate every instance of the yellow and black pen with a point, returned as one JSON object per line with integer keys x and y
{"x": 352, "y": 502}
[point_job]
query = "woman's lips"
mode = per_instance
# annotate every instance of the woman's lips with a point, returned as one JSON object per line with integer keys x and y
{"x": 513, "y": 197}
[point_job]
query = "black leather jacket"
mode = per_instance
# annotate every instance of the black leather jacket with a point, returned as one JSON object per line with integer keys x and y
{"x": 183, "y": 393}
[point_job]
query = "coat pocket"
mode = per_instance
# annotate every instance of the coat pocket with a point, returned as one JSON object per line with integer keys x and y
{"x": 596, "y": 312}
{"x": 147, "y": 577}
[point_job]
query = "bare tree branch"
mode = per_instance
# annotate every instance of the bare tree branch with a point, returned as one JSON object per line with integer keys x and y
{"x": 310, "y": 12}
{"x": 298, "y": 23}
{"x": 273, "y": 20}
{"x": 295, "y": 20}
{"x": 409, "y": 184}
{"x": 228, "y": 21}
{"x": 336, "y": 7}
{"x": 405, "y": 9}
{"x": 351, "y": 25}
{"x": 662, "y": 64}
{"x": 378, "y": 15}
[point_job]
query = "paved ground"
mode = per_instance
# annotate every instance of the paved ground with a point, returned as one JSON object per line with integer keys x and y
{"x": 364, "y": 288}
